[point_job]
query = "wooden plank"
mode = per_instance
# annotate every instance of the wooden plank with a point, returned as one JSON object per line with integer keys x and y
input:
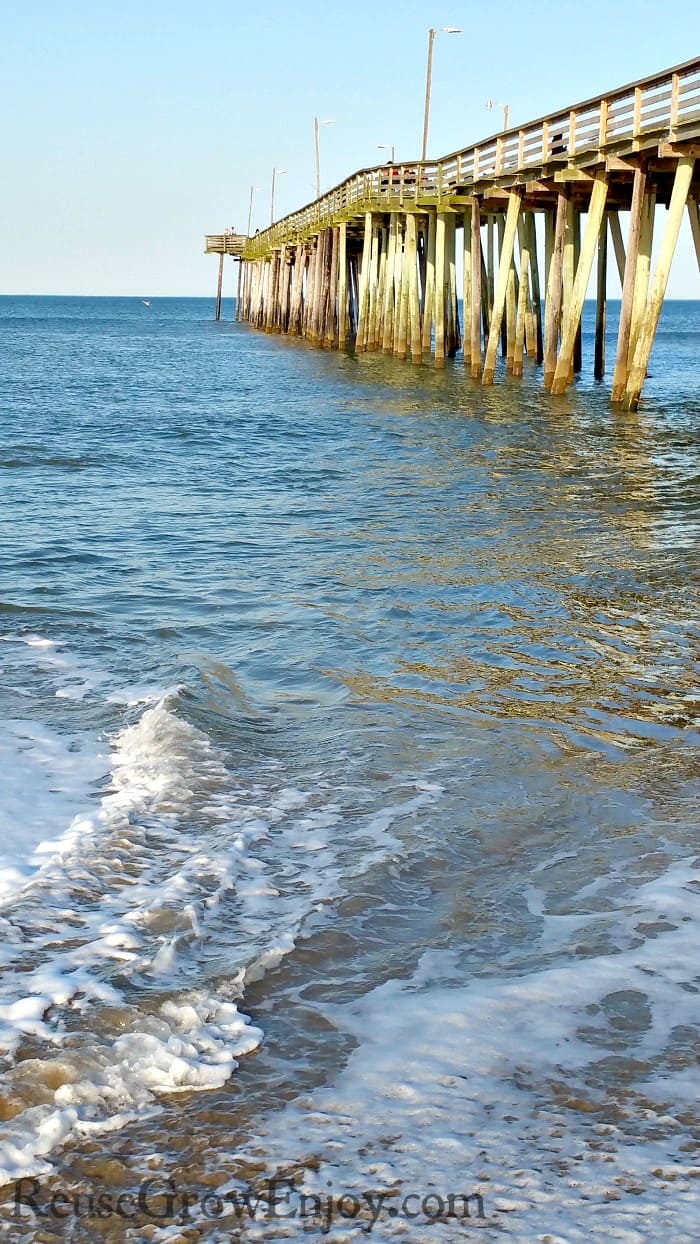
{"x": 572, "y": 318}
{"x": 642, "y": 354}
{"x": 501, "y": 289}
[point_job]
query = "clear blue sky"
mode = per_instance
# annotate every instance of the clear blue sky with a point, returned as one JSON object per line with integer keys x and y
{"x": 133, "y": 128}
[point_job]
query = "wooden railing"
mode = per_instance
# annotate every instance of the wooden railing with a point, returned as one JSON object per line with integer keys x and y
{"x": 225, "y": 243}
{"x": 665, "y": 107}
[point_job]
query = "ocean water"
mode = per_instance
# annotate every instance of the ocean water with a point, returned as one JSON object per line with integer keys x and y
{"x": 349, "y": 813}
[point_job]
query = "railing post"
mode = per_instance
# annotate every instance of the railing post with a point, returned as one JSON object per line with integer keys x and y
{"x": 675, "y": 102}
{"x": 637, "y": 116}
{"x": 603, "y": 123}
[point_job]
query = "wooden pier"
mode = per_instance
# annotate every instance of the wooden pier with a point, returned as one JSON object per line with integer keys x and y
{"x": 373, "y": 263}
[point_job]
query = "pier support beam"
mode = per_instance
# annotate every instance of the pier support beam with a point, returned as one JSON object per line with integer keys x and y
{"x": 694, "y": 218}
{"x": 342, "y": 285}
{"x": 219, "y": 286}
{"x": 363, "y": 292}
{"x": 565, "y": 365}
{"x": 601, "y": 303}
{"x": 429, "y": 290}
{"x": 499, "y": 298}
{"x": 389, "y": 288}
{"x": 477, "y": 290}
{"x": 647, "y": 331}
{"x": 522, "y": 310}
{"x": 641, "y": 279}
{"x": 413, "y": 293}
{"x": 554, "y": 292}
{"x": 625, "y": 325}
{"x": 467, "y": 286}
{"x": 440, "y": 278}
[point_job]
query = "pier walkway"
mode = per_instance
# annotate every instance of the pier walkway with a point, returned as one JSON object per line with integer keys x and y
{"x": 373, "y": 263}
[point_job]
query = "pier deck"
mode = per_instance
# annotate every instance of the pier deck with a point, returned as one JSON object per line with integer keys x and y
{"x": 373, "y": 261}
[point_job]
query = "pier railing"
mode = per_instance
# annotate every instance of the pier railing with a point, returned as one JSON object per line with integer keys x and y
{"x": 662, "y": 108}
{"x": 225, "y": 244}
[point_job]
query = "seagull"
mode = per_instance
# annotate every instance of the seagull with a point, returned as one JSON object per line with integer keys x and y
{"x": 146, "y": 302}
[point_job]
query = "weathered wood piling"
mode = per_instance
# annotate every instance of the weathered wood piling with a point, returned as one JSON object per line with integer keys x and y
{"x": 373, "y": 263}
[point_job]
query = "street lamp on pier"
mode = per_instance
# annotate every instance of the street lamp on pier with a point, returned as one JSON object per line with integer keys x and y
{"x": 275, "y": 173}
{"x": 448, "y": 30}
{"x": 317, "y": 137}
{"x": 493, "y": 103}
{"x": 250, "y": 207}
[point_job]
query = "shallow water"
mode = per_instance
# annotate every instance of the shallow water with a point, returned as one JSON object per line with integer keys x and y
{"x": 351, "y": 802}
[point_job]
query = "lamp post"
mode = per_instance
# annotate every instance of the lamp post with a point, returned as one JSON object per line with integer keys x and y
{"x": 275, "y": 171}
{"x": 448, "y": 30}
{"x": 317, "y": 127}
{"x": 250, "y": 206}
{"x": 386, "y": 147}
{"x": 493, "y": 103}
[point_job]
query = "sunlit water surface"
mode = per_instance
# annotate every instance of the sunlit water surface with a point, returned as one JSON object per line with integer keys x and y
{"x": 350, "y": 779}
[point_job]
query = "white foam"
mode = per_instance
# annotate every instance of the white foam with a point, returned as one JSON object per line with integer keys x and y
{"x": 137, "y": 879}
{"x": 495, "y": 1085}
{"x": 187, "y": 1045}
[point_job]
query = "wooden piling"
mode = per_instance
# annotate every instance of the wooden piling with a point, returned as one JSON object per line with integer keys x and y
{"x": 499, "y": 299}
{"x": 467, "y": 285}
{"x": 572, "y": 318}
{"x": 401, "y": 350}
{"x": 601, "y": 304}
{"x": 477, "y": 290}
{"x": 429, "y": 291}
{"x": 343, "y": 326}
{"x": 219, "y": 286}
{"x": 440, "y": 277}
{"x": 373, "y": 281}
{"x": 642, "y": 275}
{"x": 679, "y": 197}
{"x": 413, "y": 293}
{"x": 452, "y": 335}
{"x": 363, "y": 291}
{"x": 531, "y": 234}
{"x": 522, "y": 311}
{"x": 553, "y": 303}
{"x": 623, "y": 333}
{"x": 694, "y": 218}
